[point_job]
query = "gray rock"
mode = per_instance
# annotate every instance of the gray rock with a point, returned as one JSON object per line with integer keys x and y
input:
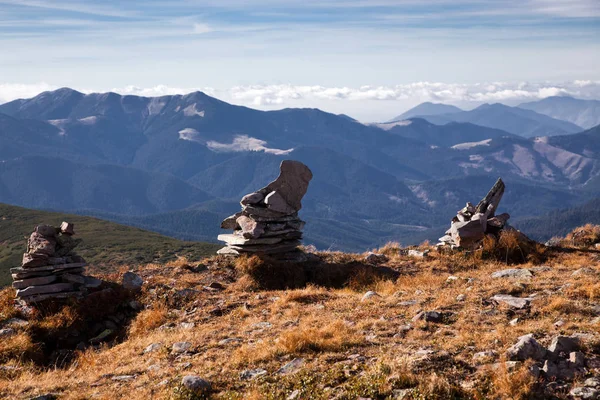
{"x": 550, "y": 369}
{"x": 577, "y": 359}
{"x": 565, "y": 344}
{"x": 292, "y": 366}
{"x": 370, "y": 295}
{"x": 513, "y": 273}
{"x": 92, "y": 283}
{"x": 461, "y": 297}
{"x": 231, "y": 221}
{"x": 7, "y": 332}
{"x": 276, "y": 202}
{"x": 525, "y": 348}
{"x": 252, "y": 374}
{"x": 67, "y": 228}
{"x": 429, "y": 316}
{"x": 72, "y": 278}
{"x": 584, "y": 271}
{"x": 38, "y": 281}
{"x": 375, "y": 259}
{"x": 45, "y": 289}
{"x": 229, "y": 341}
{"x": 407, "y": 303}
{"x": 34, "y": 260}
{"x": 511, "y": 301}
{"x": 186, "y": 325}
{"x": 417, "y": 253}
{"x": 132, "y": 281}
{"x": 181, "y": 347}
{"x": 195, "y": 384}
{"x": 123, "y": 378}
{"x": 585, "y": 393}
{"x": 40, "y": 244}
{"x": 292, "y": 182}
{"x": 152, "y": 347}
{"x": 251, "y": 229}
{"x": 592, "y": 382}
{"x": 252, "y": 198}
{"x": 104, "y": 335}
{"x": 236, "y": 240}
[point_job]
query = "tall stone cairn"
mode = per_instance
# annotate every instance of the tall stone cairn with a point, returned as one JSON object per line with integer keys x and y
{"x": 50, "y": 269}
{"x": 268, "y": 222}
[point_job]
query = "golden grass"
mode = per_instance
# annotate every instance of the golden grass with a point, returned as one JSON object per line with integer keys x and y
{"x": 335, "y": 336}
{"x": 583, "y": 236}
{"x": 149, "y": 319}
{"x": 351, "y": 348}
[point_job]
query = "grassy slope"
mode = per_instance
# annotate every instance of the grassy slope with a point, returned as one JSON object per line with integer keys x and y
{"x": 105, "y": 244}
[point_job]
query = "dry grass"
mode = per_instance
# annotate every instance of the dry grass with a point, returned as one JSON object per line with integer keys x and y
{"x": 335, "y": 336}
{"x": 583, "y": 236}
{"x": 512, "y": 247}
{"x": 348, "y": 348}
{"x": 148, "y": 320}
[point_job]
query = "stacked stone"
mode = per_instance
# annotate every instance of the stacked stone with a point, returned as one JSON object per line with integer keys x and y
{"x": 50, "y": 268}
{"x": 269, "y": 222}
{"x": 472, "y": 223}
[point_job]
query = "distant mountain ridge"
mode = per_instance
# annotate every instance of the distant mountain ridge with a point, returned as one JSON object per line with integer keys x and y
{"x": 584, "y": 113}
{"x": 514, "y": 120}
{"x": 426, "y": 108}
{"x": 176, "y": 164}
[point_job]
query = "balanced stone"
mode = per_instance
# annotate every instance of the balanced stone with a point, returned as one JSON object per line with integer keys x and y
{"x": 268, "y": 222}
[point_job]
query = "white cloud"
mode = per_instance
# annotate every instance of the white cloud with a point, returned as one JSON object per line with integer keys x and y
{"x": 418, "y": 91}
{"x": 245, "y": 143}
{"x": 13, "y": 91}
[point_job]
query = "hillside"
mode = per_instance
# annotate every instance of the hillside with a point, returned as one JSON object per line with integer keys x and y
{"x": 106, "y": 245}
{"x": 559, "y": 222}
{"x": 335, "y": 325}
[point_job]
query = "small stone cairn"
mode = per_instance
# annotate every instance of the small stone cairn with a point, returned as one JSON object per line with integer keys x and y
{"x": 268, "y": 222}
{"x": 472, "y": 223}
{"x": 50, "y": 269}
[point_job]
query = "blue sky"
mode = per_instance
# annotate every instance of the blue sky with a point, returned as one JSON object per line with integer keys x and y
{"x": 370, "y": 59}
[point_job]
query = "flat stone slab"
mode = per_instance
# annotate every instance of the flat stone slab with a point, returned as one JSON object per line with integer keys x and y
{"x": 265, "y": 249}
{"x": 262, "y": 212}
{"x": 26, "y": 274}
{"x": 42, "y": 297}
{"x": 242, "y": 241}
{"x": 41, "y": 280}
{"x": 512, "y": 273}
{"x": 514, "y": 302}
{"x": 48, "y": 268}
{"x": 52, "y": 288}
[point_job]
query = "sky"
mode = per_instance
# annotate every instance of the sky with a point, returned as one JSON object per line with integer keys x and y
{"x": 370, "y": 59}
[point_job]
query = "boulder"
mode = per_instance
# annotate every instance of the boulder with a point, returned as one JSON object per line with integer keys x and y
{"x": 132, "y": 281}
{"x": 195, "y": 384}
{"x": 511, "y": 301}
{"x": 526, "y": 348}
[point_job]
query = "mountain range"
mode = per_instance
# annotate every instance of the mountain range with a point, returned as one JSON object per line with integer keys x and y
{"x": 178, "y": 164}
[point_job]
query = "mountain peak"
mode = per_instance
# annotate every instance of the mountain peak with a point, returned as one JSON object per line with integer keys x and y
{"x": 427, "y": 108}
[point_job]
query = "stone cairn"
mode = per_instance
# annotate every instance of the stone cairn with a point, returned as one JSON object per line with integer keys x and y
{"x": 50, "y": 269}
{"x": 268, "y": 222}
{"x": 471, "y": 224}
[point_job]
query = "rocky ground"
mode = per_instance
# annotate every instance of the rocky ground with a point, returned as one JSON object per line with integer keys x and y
{"x": 393, "y": 324}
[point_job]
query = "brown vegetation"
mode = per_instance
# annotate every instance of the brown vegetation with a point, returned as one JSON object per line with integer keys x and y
{"x": 269, "y": 313}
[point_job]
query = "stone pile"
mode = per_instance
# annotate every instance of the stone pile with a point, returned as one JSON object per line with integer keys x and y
{"x": 269, "y": 222}
{"x": 50, "y": 269}
{"x": 472, "y": 223}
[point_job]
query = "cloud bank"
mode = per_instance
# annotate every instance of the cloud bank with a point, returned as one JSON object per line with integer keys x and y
{"x": 366, "y": 102}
